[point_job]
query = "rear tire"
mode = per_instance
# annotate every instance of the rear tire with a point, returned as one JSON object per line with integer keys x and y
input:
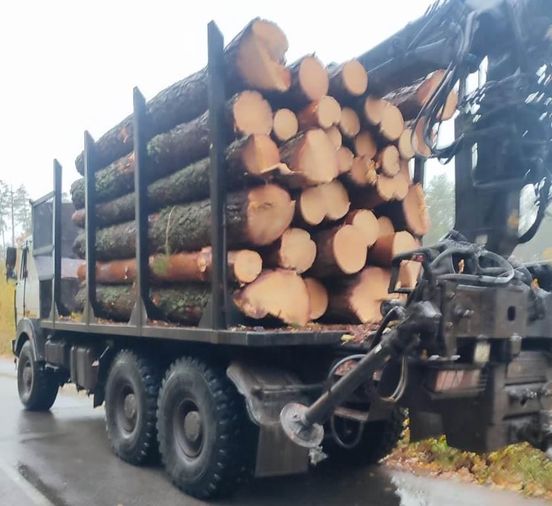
{"x": 378, "y": 440}
{"x": 37, "y": 386}
{"x": 130, "y": 407}
{"x": 201, "y": 426}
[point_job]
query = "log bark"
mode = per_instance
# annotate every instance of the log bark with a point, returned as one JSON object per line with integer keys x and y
{"x": 253, "y": 59}
{"x": 318, "y": 298}
{"x": 322, "y": 113}
{"x": 411, "y": 214}
{"x": 248, "y": 113}
{"x": 345, "y": 159}
{"x": 257, "y": 216}
{"x": 243, "y": 267}
{"x": 349, "y": 123}
{"x": 285, "y": 125}
{"x": 389, "y": 246}
{"x": 278, "y": 293}
{"x": 339, "y": 250}
{"x": 183, "y": 304}
{"x": 312, "y": 157}
{"x": 295, "y": 250}
{"x": 347, "y": 80}
{"x": 366, "y": 223}
{"x": 359, "y": 299}
{"x": 328, "y": 202}
{"x": 251, "y": 158}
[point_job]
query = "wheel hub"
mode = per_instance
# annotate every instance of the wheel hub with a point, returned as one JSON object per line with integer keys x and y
{"x": 192, "y": 426}
{"x": 188, "y": 429}
{"x": 129, "y": 406}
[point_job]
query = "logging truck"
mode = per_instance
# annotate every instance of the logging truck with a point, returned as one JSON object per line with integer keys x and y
{"x": 240, "y": 276}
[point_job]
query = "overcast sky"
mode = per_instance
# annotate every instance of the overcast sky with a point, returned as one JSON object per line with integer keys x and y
{"x": 70, "y": 65}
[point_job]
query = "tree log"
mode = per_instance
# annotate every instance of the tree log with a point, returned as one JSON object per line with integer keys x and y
{"x": 243, "y": 267}
{"x": 285, "y": 125}
{"x": 365, "y": 144}
{"x": 321, "y": 113}
{"x": 318, "y": 297}
{"x": 295, "y": 250}
{"x": 254, "y": 156}
{"x": 349, "y": 123}
{"x": 279, "y": 293}
{"x": 389, "y": 246}
{"x": 345, "y": 159}
{"x": 362, "y": 174}
{"x": 406, "y": 150}
{"x": 253, "y": 59}
{"x": 339, "y": 250}
{"x": 418, "y": 142}
{"x": 183, "y": 304}
{"x": 335, "y": 136}
{"x": 311, "y": 156}
{"x": 366, "y": 222}
{"x": 411, "y": 214}
{"x": 370, "y": 197}
{"x": 257, "y": 216}
{"x": 389, "y": 159}
{"x": 359, "y": 298}
{"x": 385, "y": 226}
{"x": 328, "y": 201}
{"x": 248, "y": 113}
{"x": 383, "y": 118}
{"x": 347, "y": 80}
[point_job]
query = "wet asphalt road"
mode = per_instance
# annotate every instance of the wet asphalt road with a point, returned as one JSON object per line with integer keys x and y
{"x": 63, "y": 458}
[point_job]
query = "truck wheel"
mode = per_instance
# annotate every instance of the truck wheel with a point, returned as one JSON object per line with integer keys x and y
{"x": 37, "y": 387}
{"x": 130, "y": 407}
{"x": 201, "y": 425}
{"x": 378, "y": 440}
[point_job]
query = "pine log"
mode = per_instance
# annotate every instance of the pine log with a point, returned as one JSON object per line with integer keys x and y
{"x": 183, "y": 304}
{"x": 347, "y": 80}
{"x": 339, "y": 250}
{"x": 243, "y": 267}
{"x": 366, "y": 223}
{"x": 383, "y": 118}
{"x": 252, "y": 157}
{"x": 311, "y": 156}
{"x": 365, "y": 144}
{"x": 411, "y": 214}
{"x": 309, "y": 82}
{"x": 279, "y": 293}
{"x": 321, "y": 113}
{"x": 370, "y": 197}
{"x": 257, "y": 216}
{"x": 359, "y": 298}
{"x": 349, "y": 123}
{"x": 328, "y": 202}
{"x": 253, "y": 59}
{"x": 389, "y": 246}
{"x": 418, "y": 142}
{"x": 345, "y": 159}
{"x": 335, "y": 136}
{"x": 409, "y": 274}
{"x": 406, "y": 150}
{"x": 248, "y": 113}
{"x": 318, "y": 297}
{"x": 388, "y": 161}
{"x": 385, "y": 226}
{"x": 294, "y": 250}
{"x": 362, "y": 174}
{"x": 285, "y": 125}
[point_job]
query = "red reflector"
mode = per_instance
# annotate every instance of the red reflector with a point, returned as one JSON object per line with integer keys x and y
{"x": 456, "y": 380}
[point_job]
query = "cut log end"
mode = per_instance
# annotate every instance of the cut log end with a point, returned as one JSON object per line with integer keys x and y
{"x": 418, "y": 142}
{"x": 363, "y": 172}
{"x": 415, "y": 210}
{"x": 245, "y": 265}
{"x": 259, "y": 155}
{"x": 406, "y": 150}
{"x": 373, "y": 110}
{"x": 260, "y": 57}
{"x": 285, "y": 125}
{"x": 278, "y": 293}
{"x": 365, "y": 145}
{"x": 354, "y": 78}
{"x": 252, "y": 114}
{"x": 389, "y": 161}
{"x": 318, "y": 297}
{"x": 366, "y": 222}
{"x": 335, "y": 136}
{"x": 269, "y": 212}
{"x": 322, "y": 113}
{"x": 385, "y": 226}
{"x": 345, "y": 159}
{"x": 326, "y": 201}
{"x": 388, "y": 246}
{"x": 313, "y": 78}
{"x": 392, "y": 123}
{"x": 349, "y": 123}
{"x": 295, "y": 251}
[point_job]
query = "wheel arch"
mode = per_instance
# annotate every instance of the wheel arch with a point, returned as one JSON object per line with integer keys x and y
{"x": 29, "y": 330}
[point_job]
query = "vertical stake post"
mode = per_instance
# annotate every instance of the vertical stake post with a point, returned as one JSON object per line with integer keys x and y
{"x": 90, "y": 224}
{"x": 217, "y": 99}
{"x": 57, "y": 306}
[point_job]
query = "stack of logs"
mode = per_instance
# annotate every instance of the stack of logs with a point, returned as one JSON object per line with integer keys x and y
{"x": 319, "y": 192}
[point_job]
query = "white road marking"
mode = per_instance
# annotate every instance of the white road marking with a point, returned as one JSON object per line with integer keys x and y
{"x": 36, "y": 497}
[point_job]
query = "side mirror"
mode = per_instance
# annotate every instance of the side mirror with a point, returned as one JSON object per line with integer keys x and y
{"x": 11, "y": 261}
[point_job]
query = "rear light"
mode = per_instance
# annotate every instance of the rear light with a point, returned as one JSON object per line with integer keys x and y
{"x": 455, "y": 379}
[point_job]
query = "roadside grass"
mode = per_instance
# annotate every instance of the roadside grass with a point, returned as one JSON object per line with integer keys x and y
{"x": 7, "y": 327}
{"x": 518, "y": 467}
